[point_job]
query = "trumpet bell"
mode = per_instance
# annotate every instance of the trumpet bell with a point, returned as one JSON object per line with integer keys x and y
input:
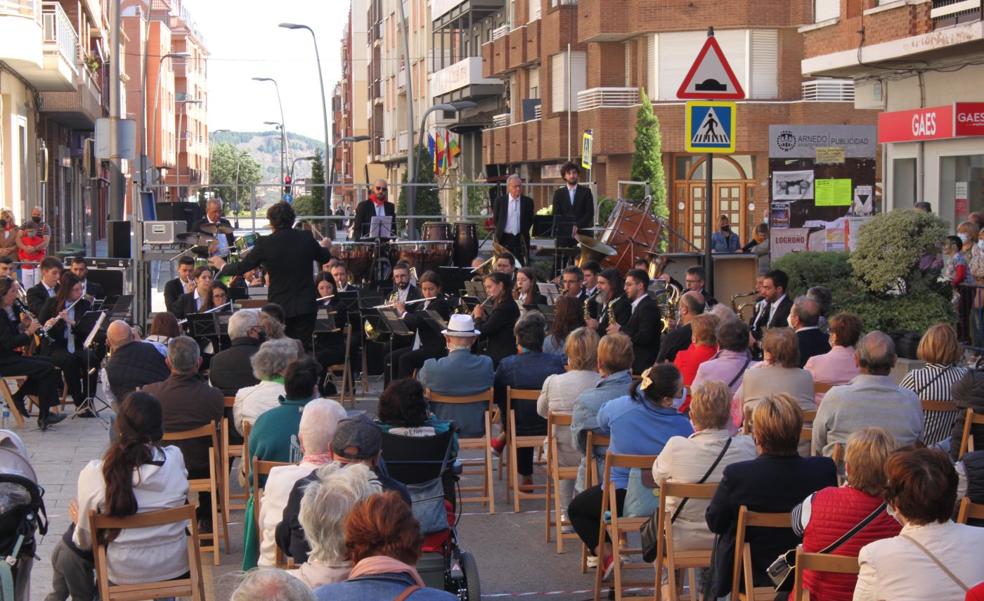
{"x": 500, "y": 250}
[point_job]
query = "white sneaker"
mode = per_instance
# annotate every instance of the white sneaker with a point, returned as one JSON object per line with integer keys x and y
{"x": 592, "y": 561}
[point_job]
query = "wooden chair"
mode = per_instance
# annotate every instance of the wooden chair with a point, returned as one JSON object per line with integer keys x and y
{"x": 516, "y": 442}
{"x": 555, "y": 474}
{"x": 966, "y": 440}
{"x": 806, "y": 432}
{"x": 344, "y": 370}
{"x": 743, "y": 553}
{"x": 969, "y": 511}
{"x": 8, "y": 399}
{"x": 619, "y": 527}
{"x": 592, "y": 441}
{"x": 666, "y": 557}
{"x": 483, "y": 466}
{"x": 192, "y": 586}
{"x": 251, "y": 303}
{"x": 821, "y": 388}
{"x": 939, "y": 406}
{"x": 261, "y": 469}
{"x": 820, "y": 562}
{"x": 210, "y": 486}
{"x": 229, "y": 454}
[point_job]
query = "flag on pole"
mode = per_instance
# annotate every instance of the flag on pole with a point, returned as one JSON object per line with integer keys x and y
{"x": 439, "y": 157}
{"x": 430, "y": 146}
{"x": 455, "y": 149}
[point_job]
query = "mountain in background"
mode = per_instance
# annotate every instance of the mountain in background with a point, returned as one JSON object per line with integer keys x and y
{"x": 264, "y": 147}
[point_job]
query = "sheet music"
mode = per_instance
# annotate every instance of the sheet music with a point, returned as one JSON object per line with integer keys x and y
{"x": 95, "y": 330}
{"x": 381, "y": 227}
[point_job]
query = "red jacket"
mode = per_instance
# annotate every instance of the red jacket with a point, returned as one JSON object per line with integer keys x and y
{"x": 834, "y": 511}
{"x": 688, "y": 361}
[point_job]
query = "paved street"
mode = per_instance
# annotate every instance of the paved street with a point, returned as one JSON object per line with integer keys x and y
{"x": 513, "y": 557}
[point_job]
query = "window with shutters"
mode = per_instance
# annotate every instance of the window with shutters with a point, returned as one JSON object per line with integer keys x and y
{"x": 764, "y": 50}
{"x": 564, "y": 85}
{"x": 534, "y": 10}
{"x": 825, "y": 9}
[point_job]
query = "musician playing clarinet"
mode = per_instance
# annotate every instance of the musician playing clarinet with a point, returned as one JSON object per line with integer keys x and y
{"x": 496, "y": 316}
{"x": 289, "y": 257}
{"x": 64, "y": 344}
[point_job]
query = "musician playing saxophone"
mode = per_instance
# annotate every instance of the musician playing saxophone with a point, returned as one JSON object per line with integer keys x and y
{"x": 496, "y": 316}
{"x": 611, "y": 303}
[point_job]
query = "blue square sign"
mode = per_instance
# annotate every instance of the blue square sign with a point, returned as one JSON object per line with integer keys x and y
{"x": 710, "y": 126}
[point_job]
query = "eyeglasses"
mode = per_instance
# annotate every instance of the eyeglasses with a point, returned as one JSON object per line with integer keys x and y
{"x": 377, "y": 189}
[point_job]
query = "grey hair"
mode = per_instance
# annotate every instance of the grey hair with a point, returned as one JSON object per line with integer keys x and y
{"x": 327, "y": 502}
{"x": 242, "y": 322}
{"x": 318, "y": 424}
{"x": 513, "y": 176}
{"x": 721, "y": 311}
{"x": 530, "y": 331}
{"x": 271, "y": 584}
{"x": 183, "y": 353}
{"x": 273, "y": 358}
{"x": 272, "y": 326}
{"x": 381, "y": 180}
{"x": 807, "y": 310}
{"x": 214, "y": 201}
{"x": 876, "y": 353}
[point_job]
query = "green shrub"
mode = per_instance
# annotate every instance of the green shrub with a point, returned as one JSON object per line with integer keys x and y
{"x": 829, "y": 269}
{"x": 890, "y": 246}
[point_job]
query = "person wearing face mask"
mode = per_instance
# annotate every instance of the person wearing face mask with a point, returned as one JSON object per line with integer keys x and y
{"x": 639, "y": 423}
{"x": 8, "y": 235}
{"x": 724, "y": 240}
{"x": 32, "y": 245}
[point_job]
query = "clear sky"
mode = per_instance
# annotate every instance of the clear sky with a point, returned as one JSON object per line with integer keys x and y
{"x": 244, "y": 41}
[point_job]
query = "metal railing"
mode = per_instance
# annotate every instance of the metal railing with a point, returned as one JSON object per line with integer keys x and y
{"x": 500, "y": 32}
{"x": 501, "y": 120}
{"x": 58, "y": 30}
{"x": 595, "y": 98}
{"x": 828, "y": 90}
{"x": 951, "y": 12}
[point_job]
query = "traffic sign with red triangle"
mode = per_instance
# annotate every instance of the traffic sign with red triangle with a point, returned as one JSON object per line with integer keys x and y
{"x": 711, "y": 76}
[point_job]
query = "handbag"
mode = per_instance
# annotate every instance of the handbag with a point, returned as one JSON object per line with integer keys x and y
{"x": 780, "y": 569}
{"x": 649, "y": 531}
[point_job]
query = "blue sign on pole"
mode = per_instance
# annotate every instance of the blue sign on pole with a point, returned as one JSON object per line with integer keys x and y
{"x": 711, "y": 126}
{"x": 288, "y": 197}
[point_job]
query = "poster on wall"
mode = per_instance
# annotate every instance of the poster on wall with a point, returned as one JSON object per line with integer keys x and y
{"x": 792, "y": 185}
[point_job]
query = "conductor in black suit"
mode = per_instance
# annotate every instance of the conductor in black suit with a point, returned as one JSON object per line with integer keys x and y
{"x": 645, "y": 324}
{"x": 574, "y": 200}
{"x": 211, "y": 223}
{"x": 804, "y": 317}
{"x": 376, "y": 206}
{"x": 289, "y": 257}
{"x": 774, "y": 312}
{"x": 513, "y": 216}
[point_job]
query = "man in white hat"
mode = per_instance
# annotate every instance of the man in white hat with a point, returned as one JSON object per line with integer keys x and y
{"x": 461, "y": 373}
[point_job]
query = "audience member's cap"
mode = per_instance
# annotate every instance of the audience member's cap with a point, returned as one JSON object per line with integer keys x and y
{"x": 357, "y": 439}
{"x": 461, "y": 325}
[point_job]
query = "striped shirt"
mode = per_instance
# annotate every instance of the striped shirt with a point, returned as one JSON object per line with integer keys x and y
{"x": 932, "y": 383}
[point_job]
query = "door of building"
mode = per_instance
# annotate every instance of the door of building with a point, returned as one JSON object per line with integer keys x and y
{"x": 731, "y": 197}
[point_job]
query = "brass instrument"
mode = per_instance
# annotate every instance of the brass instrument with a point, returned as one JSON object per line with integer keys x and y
{"x": 487, "y": 267}
{"x": 371, "y": 331}
{"x": 669, "y": 301}
{"x": 611, "y": 310}
{"x": 738, "y": 308}
{"x": 587, "y": 306}
{"x": 592, "y": 250}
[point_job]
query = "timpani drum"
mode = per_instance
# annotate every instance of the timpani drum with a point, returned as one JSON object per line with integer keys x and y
{"x": 356, "y": 255}
{"x": 422, "y": 254}
{"x": 465, "y": 243}
{"x": 434, "y": 231}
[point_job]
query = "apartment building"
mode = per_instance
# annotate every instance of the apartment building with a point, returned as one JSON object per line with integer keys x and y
{"x": 921, "y": 65}
{"x": 572, "y": 65}
{"x": 52, "y": 79}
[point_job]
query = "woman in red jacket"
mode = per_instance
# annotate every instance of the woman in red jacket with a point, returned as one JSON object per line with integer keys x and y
{"x": 831, "y": 512}
{"x": 703, "y": 346}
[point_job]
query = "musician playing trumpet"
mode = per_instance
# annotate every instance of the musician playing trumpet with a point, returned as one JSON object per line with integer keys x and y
{"x": 64, "y": 344}
{"x": 495, "y": 317}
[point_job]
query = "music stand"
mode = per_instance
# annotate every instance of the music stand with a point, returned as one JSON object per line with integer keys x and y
{"x": 381, "y": 227}
{"x": 96, "y": 322}
{"x": 434, "y": 319}
{"x": 549, "y": 290}
{"x": 548, "y": 312}
{"x": 475, "y": 289}
{"x": 454, "y": 278}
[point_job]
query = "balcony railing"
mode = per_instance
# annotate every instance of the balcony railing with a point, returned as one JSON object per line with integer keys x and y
{"x": 58, "y": 31}
{"x": 21, "y": 8}
{"x": 501, "y": 120}
{"x": 464, "y": 73}
{"x": 499, "y": 32}
{"x": 596, "y": 98}
{"x": 828, "y": 90}
{"x": 951, "y": 12}
{"x": 538, "y": 111}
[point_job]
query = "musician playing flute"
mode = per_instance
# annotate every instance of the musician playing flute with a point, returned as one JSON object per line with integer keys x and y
{"x": 290, "y": 258}
{"x": 428, "y": 342}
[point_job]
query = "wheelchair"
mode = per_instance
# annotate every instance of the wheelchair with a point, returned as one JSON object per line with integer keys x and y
{"x": 423, "y": 465}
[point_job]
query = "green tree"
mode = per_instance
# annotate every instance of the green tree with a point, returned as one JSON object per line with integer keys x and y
{"x": 318, "y": 189}
{"x": 226, "y": 160}
{"x": 647, "y": 162}
{"x": 307, "y": 204}
{"x": 428, "y": 201}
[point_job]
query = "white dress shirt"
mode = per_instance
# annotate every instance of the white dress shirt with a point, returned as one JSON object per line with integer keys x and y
{"x": 199, "y": 301}
{"x": 572, "y": 192}
{"x": 773, "y": 307}
{"x": 220, "y": 239}
{"x": 512, "y": 216}
{"x": 69, "y": 335}
{"x": 636, "y": 302}
{"x": 51, "y": 291}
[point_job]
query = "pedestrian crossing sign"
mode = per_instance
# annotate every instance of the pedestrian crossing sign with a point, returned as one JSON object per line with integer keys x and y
{"x": 710, "y": 126}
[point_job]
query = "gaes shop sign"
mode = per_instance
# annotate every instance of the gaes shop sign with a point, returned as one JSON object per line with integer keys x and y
{"x": 934, "y": 123}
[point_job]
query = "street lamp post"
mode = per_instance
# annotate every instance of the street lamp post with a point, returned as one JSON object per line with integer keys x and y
{"x": 157, "y": 95}
{"x": 180, "y": 136}
{"x": 294, "y": 162}
{"x": 283, "y": 159}
{"x": 324, "y": 104}
{"x": 283, "y": 126}
{"x": 456, "y": 106}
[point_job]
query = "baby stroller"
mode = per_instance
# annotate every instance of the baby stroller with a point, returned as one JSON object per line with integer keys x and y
{"x": 21, "y": 515}
{"x": 422, "y": 464}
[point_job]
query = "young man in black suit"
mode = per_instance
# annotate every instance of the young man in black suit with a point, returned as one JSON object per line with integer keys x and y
{"x": 288, "y": 256}
{"x": 804, "y": 317}
{"x": 81, "y": 270}
{"x": 37, "y": 295}
{"x": 574, "y": 200}
{"x": 774, "y": 312}
{"x": 180, "y": 285}
{"x": 644, "y": 325}
{"x": 376, "y": 206}
{"x": 513, "y": 216}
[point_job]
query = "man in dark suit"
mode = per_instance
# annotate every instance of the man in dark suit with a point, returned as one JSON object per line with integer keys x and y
{"x": 288, "y": 256}
{"x": 574, "y": 200}
{"x": 38, "y": 295}
{"x": 610, "y": 302}
{"x": 81, "y": 269}
{"x": 215, "y": 224}
{"x": 132, "y": 363}
{"x": 230, "y": 369}
{"x": 376, "y": 206}
{"x": 678, "y": 339}
{"x": 644, "y": 325}
{"x": 774, "y": 312}
{"x": 695, "y": 281}
{"x": 804, "y": 317}
{"x": 180, "y": 285}
{"x": 513, "y": 216}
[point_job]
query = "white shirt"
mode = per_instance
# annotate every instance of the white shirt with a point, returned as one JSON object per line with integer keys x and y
{"x": 199, "y": 301}
{"x": 275, "y": 495}
{"x": 572, "y": 192}
{"x": 253, "y": 401}
{"x": 512, "y": 216}
{"x": 69, "y": 335}
{"x": 220, "y": 239}
{"x": 380, "y": 209}
{"x": 636, "y": 302}
{"x": 401, "y": 294}
{"x": 51, "y": 291}
{"x": 773, "y": 307}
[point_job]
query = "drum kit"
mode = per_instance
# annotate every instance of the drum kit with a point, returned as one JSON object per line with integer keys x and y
{"x": 441, "y": 244}
{"x": 203, "y": 244}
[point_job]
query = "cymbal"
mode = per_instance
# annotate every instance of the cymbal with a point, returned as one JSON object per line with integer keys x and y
{"x": 195, "y": 237}
{"x": 219, "y": 228}
{"x": 596, "y": 245}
